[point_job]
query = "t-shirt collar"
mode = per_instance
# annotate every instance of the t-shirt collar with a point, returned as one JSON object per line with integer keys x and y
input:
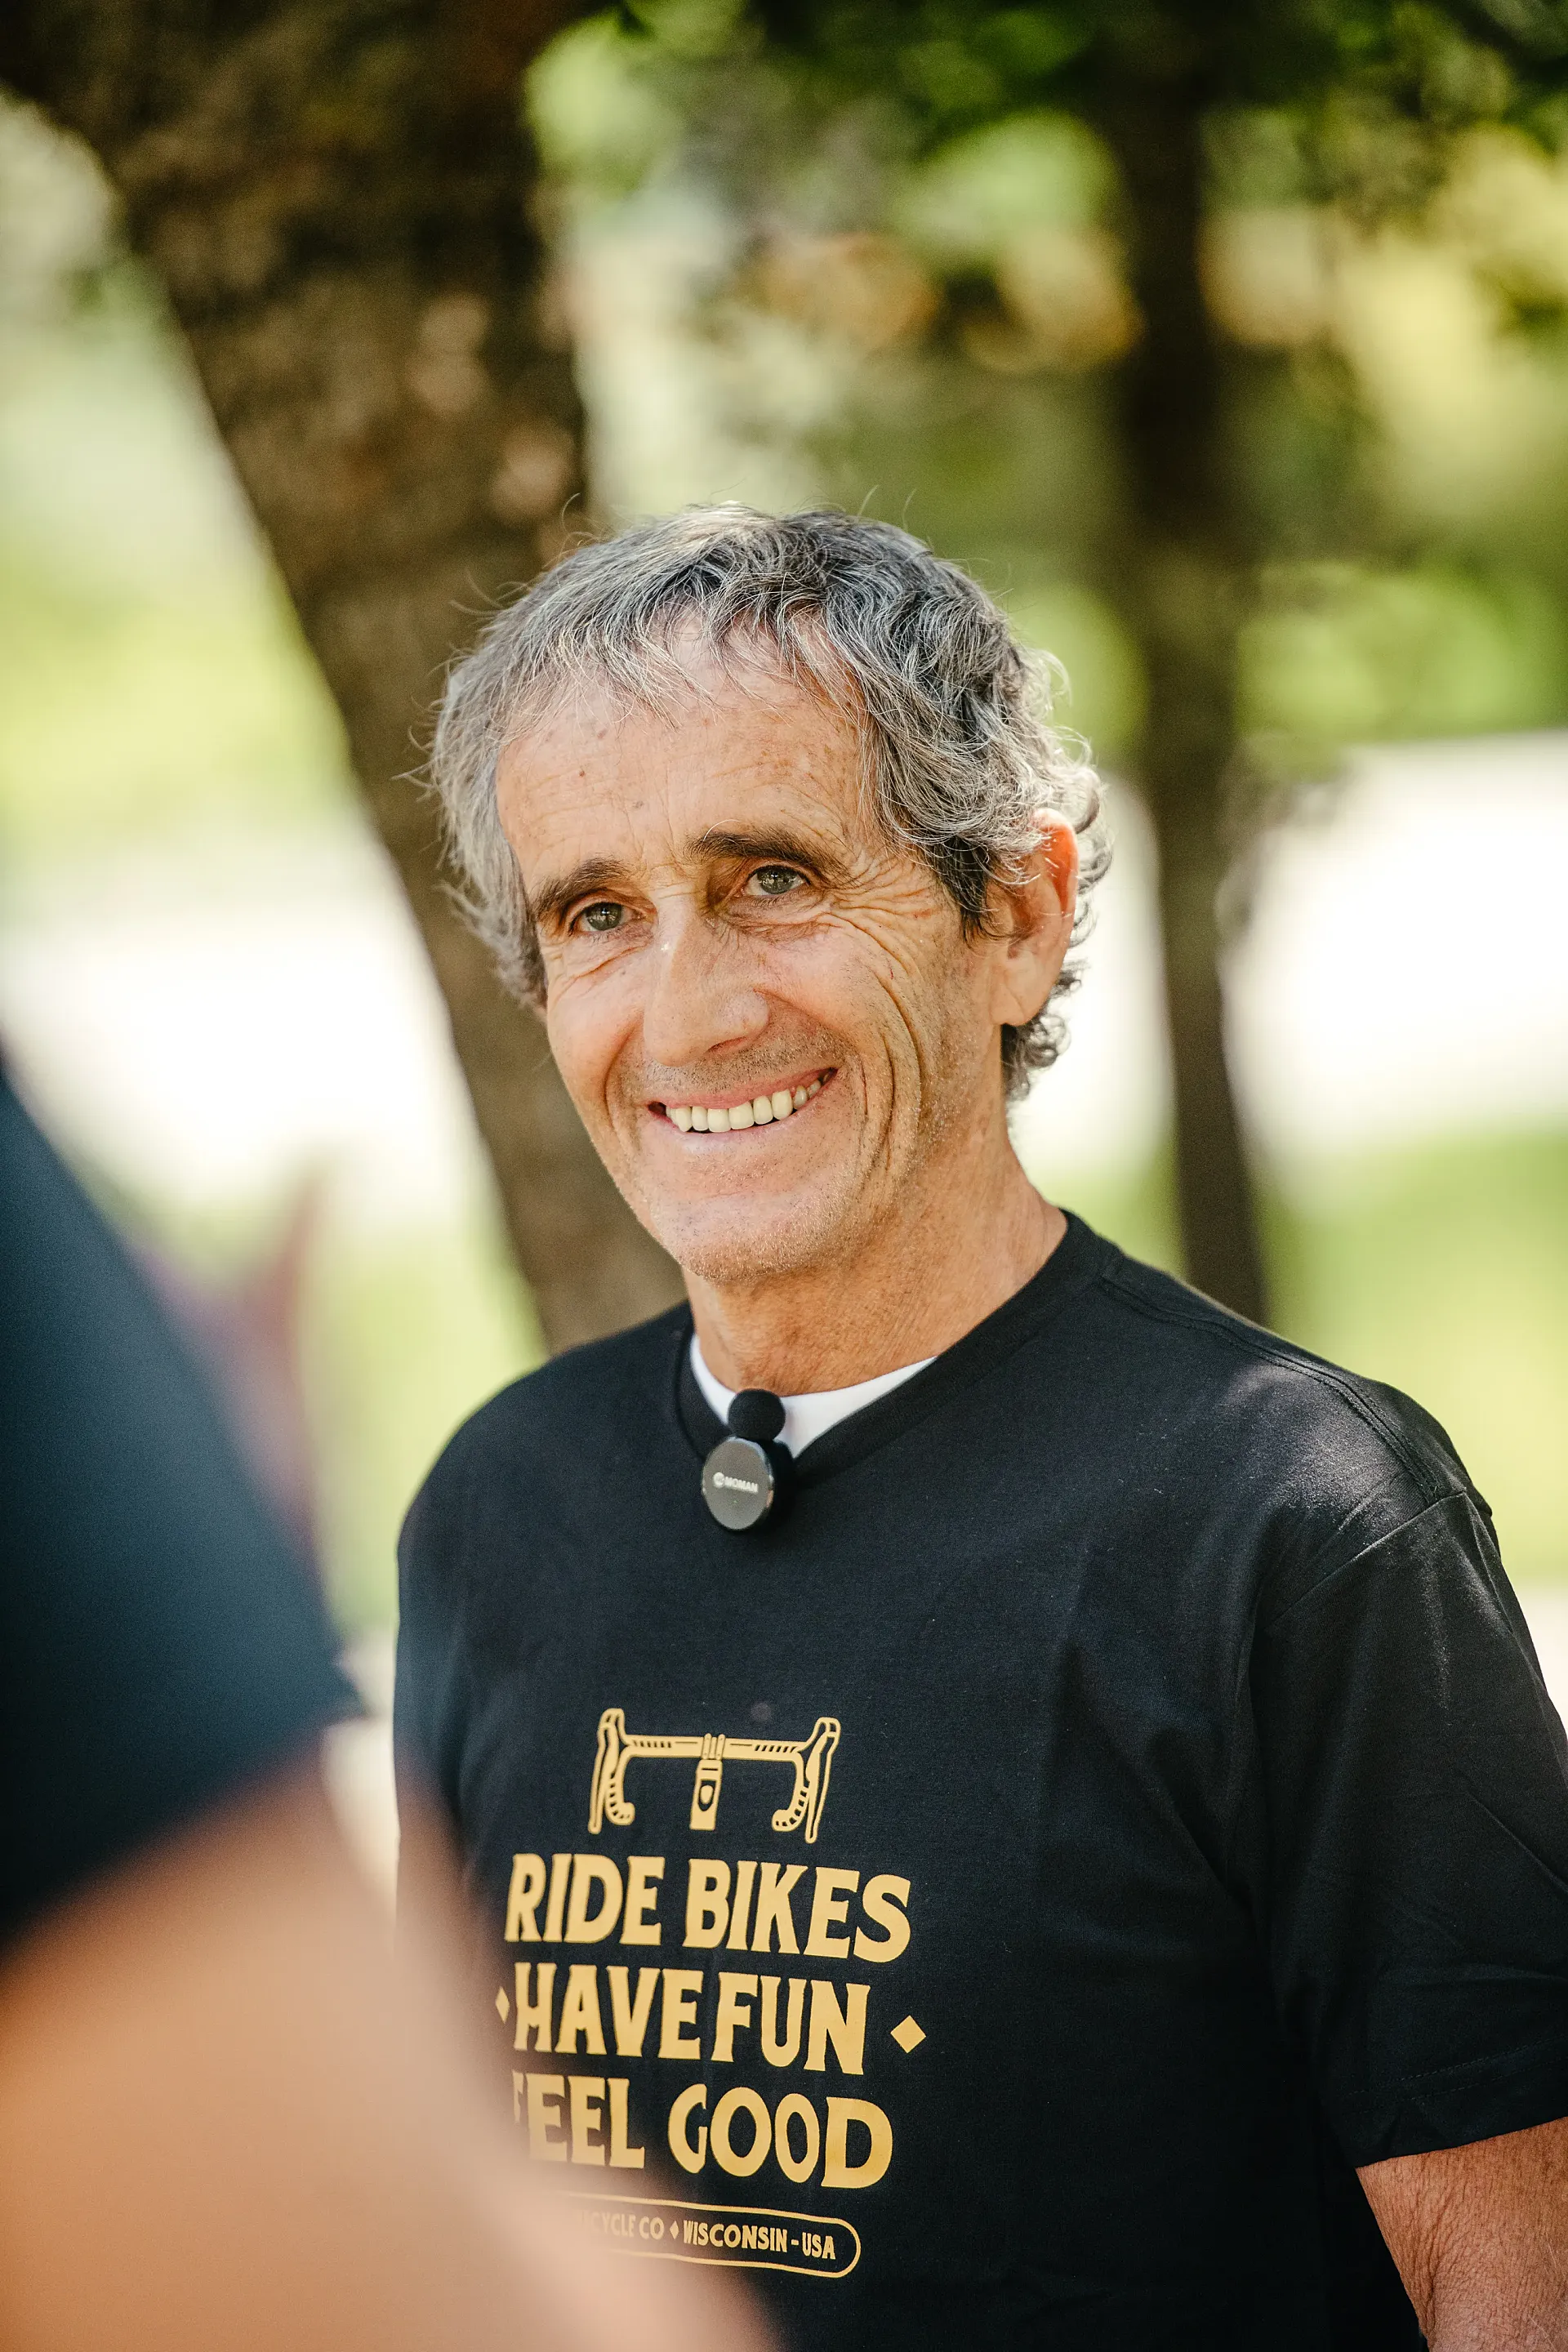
{"x": 812, "y": 1415}
{"x": 915, "y": 1391}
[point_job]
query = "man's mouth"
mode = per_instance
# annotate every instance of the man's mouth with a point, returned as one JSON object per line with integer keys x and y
{"x": 762, "y": 1111}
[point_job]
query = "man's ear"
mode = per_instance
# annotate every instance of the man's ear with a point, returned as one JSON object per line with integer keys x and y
{"x": 1032, "y": 919}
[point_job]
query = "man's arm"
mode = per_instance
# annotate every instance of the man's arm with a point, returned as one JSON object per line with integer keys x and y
{"x": 1481, "y": 2236}
{"x": 226, "y": 2118}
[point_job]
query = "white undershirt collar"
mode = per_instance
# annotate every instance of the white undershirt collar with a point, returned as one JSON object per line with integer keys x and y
{"x": 807, "y": 1418}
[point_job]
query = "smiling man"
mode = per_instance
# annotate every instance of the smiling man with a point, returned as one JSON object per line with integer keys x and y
{"x": 995, "y": 1789}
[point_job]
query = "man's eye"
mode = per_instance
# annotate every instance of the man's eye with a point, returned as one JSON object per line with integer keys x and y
{"x": 606, "y": 915}
{"x": 776, "y": 881}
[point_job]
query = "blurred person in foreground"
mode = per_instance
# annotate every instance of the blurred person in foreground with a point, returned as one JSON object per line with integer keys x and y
{"x": 1106, "y": 1839}
{"x": 225, "y": 2119}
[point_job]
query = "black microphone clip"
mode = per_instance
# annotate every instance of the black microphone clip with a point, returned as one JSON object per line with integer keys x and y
{"x": 746, "y": 1478}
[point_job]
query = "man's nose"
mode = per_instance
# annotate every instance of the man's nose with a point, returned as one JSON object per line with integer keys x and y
{"x": 703, "y": 995}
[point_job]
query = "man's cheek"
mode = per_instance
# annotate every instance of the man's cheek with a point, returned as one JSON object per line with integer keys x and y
{"x": 581, "y": 1051}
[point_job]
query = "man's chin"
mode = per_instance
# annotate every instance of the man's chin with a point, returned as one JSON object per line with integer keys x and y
{"x": 734, "y": 1243}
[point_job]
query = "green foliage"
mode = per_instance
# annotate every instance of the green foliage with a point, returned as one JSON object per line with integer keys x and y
{"x": 955, "y": 63}
{"x": 604, "y": 130}
{"x": 404, "y": 1337}
{"x": 1354, "y": 654}
{"x": 988, "y": 187}
{"x": 1104, "y": 699}
{"x": 154, "y": 668}
{"x": 917, "y": 201}
{"x": 124, "y": 715}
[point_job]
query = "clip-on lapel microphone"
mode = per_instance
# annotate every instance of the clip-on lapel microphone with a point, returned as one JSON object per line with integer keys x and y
{"x": 746, "y": 1478}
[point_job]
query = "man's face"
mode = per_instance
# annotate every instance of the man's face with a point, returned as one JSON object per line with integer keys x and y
{"x": 726, "y": 929}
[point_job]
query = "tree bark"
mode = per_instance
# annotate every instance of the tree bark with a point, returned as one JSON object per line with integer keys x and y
{"x": 335, "y": 194}
{"x": 1181, "y": 583}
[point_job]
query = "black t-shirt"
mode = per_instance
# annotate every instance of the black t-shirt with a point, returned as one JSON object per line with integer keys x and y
{"x": 160, "y": 1646}
{"x": 1000, "y": 1904}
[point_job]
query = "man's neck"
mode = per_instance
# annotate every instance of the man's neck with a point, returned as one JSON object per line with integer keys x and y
{"x": 952, "y": 1256}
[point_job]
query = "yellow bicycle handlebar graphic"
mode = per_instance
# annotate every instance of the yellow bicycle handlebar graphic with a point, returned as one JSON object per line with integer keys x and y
{"x": 810, "y": 1760}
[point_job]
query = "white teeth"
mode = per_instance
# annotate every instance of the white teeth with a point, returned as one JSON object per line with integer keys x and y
{"x": 694, "y": 1119}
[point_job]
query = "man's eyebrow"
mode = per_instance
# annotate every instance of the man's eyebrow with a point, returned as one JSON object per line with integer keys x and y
{"x": 775, "y": 846}
{"x": 550, "y": 902}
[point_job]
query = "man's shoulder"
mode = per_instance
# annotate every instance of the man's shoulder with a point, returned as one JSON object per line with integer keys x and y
{"x": 587, "y": 1396}
{"x": 584, "y": 1389}
{"x": 1251, "y": 1408}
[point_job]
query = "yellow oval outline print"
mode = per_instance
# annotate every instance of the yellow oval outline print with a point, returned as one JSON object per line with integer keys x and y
{"x": 683, "y": 2233}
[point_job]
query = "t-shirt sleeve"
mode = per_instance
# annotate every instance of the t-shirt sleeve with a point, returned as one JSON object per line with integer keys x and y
{"x": 1414, "y": 1790}
{"x": 161, "y": 1645}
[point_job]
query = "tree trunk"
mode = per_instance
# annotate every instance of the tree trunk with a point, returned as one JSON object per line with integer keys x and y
{"x": 334, "y": 193}
{"x": 1181, "y": 586}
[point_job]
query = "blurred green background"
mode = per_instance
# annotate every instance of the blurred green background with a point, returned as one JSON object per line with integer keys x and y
{"x": 207, "y": 978}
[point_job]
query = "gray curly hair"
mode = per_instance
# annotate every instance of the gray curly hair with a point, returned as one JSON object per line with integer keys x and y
{"x": 955, "y": 718}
